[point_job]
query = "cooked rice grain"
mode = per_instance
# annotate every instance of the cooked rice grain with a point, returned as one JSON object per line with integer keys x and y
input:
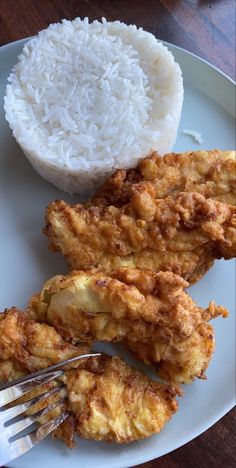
{"x": 85, "y": 99}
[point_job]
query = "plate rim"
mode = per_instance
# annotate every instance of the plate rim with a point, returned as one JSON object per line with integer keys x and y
{"x": 166, "y": 43}
{"x": 231, "y": 404}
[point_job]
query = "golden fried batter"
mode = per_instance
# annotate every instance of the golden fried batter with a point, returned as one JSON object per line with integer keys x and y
{"x": 121, "y": 404}
{"x": 211, "y": 173}
{"x": 32, "y": 345}
{"x": 171, "y": 233}
{"x": 107, "y": 399}
{"x": 181, "y": 360}
{"x": 150, "y": 311}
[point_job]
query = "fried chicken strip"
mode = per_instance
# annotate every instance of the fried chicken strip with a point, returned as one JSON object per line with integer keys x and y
{"x": 150, "y": 312}
{"x": 33, "y": 345}
{"x": 183, "y": 235}
{"x": 107, "y": 399}
{"x": 211, "y": 173}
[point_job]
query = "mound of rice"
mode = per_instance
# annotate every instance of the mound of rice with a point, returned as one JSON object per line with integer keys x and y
{"x": 86, "y": 99}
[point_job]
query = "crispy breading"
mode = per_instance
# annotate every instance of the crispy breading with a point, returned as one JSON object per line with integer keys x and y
{"x": 181, "y": 360}
{"x": 107, "y": 399}
{"x": 172, "y": 233}
{"x": 121, "y": 404}
{"x": 91, "y": 306}
{"x": 33, "y": 345}
{"x": 211, "y": 173}
{"x": 150, "y": 311}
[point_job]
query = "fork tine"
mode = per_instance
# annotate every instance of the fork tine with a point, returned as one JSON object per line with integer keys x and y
{"x": 47, "y": 370}
{"x": 15, "y": 428}
{"x": 12, "y": 393}
{"x": 12, "y": 390}
{"x": 40, "y": 433}
{"x": 9, "y": 452}
{"x": 16, "y": 410}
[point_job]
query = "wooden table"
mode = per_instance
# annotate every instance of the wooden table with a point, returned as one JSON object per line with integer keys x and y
{"x": 206, "y": 28}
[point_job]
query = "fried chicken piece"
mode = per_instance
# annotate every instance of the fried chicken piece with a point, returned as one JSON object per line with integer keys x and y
{"x": 151, "y": 312}
{"x": 211, "y": 173}
{"x": 118, "y": 403}
{"x": 33, "y": 345}
{"x": 181, "y": 360}
{"x": 107, "y": 399}
{"x": 171, "y": 233}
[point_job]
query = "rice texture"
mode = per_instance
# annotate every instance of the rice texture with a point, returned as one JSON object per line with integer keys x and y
{"x": 86, "y": 99}
{"x": 196, "y": 136}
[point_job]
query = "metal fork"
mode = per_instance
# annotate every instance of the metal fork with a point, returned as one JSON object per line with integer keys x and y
{"x": 10, "y": 428}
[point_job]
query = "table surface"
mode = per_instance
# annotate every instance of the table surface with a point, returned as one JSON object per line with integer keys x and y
{"x": 206, "y": 28}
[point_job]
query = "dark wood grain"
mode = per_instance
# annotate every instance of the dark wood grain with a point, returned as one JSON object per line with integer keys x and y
{"x": 206, "y": 28}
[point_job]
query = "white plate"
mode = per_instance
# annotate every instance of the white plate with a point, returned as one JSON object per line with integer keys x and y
{"x": 25, "y": 263}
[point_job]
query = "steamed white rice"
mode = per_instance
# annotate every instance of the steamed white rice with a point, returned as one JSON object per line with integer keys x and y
{"x": 85, "y": 99}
